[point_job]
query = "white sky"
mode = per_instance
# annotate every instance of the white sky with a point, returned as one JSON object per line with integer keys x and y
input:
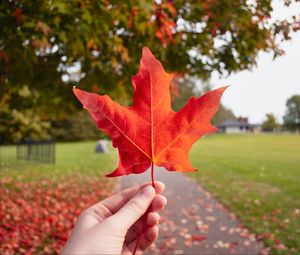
{"x": 266, "y": 88}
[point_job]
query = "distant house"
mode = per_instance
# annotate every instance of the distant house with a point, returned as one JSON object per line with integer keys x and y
{"x": 239, "y": 125}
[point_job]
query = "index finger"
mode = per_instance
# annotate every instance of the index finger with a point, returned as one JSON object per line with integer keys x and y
{"x": 117, "y": 201}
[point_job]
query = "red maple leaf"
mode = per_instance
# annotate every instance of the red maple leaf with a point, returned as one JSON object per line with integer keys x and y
{"x": 149, "y": 131}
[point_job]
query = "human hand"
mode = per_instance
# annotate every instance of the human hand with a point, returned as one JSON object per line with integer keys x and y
{"x": 113, "y": 225}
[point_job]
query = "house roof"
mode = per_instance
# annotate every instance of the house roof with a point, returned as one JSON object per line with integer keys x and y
{"x": 234, "y": 123}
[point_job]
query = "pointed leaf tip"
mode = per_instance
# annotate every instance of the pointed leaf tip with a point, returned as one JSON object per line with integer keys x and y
{"x": 76, "y": 91}
{"x": 145, "y": 50}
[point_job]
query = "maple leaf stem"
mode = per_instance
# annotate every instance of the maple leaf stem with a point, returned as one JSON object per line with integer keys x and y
{"x": 152, "y": 175}
{"x": 144, "y": 217}
{"x": 137, "y": 244}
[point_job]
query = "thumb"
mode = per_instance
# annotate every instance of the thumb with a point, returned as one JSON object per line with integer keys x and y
{"x": 134, "y": 208}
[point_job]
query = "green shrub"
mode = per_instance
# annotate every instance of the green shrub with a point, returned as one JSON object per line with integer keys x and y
{"x": 76, "y": 127}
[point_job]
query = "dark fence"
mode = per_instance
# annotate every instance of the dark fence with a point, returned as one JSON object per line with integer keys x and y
{"x": 22, "y": 153}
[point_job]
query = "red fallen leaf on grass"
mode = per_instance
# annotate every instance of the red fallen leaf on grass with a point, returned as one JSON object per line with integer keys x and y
{"x": 198, "y": 237}
{"x": 149, "y": 132}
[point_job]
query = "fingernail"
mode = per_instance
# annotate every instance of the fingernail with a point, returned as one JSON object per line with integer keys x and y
{"x": 148, "y": 191}
{"x": 165, "y": 200}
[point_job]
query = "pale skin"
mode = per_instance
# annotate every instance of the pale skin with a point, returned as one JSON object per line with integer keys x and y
{"x": 112, "y": 226}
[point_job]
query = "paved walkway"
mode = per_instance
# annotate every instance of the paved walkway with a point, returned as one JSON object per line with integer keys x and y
{"x": 194, "y": 222}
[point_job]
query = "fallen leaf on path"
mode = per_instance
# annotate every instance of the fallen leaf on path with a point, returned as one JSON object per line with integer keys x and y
{"x": 198, "y": 237}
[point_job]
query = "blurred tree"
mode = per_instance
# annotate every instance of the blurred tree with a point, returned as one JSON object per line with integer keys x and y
{"x": 223, "y": 114}
{"x": 21, "y": 121}
{"x": 270, "y": 124}
{"x": 182, "y": 88}
{"x": 292, "y": 115}
{"x": 75, "y": 127}
{"x": 51, "y": 45}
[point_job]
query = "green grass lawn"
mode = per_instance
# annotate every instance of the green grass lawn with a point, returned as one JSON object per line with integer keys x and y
{"x": 258, "y": 177}
{"x": 81, "y": 157}
{"x": 71, "y": 158}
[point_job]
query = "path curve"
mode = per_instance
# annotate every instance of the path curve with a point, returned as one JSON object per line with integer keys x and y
{"x": 194, "y": 222}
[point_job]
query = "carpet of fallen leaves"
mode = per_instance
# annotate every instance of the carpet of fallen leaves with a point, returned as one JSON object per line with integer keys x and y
{"x": 38, "y": 216}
